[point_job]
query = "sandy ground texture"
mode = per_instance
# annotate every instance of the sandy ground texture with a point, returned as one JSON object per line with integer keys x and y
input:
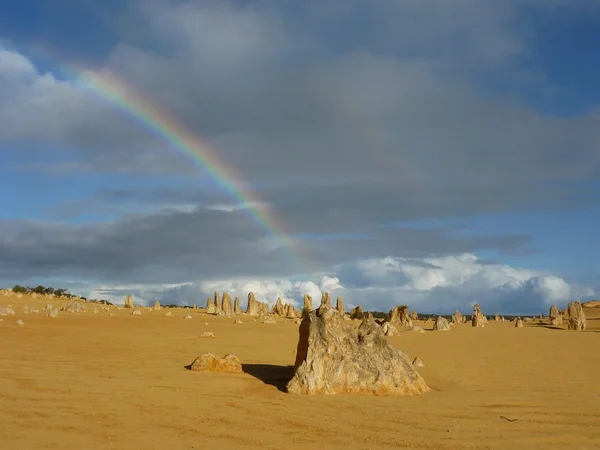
{"x": 96, "y": 381}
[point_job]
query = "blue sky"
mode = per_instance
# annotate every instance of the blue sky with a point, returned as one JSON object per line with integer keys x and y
{"x": 436, "y": 129}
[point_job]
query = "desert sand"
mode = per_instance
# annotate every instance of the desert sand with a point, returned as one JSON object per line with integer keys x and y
{"x": 95, "y": 381}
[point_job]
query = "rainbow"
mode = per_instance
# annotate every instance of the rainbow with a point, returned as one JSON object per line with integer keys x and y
{"x": 180, "y": 138}
{"x": 115, "y": 91}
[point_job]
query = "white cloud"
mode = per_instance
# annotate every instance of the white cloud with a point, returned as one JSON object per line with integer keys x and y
{"x": 429, "y": 285}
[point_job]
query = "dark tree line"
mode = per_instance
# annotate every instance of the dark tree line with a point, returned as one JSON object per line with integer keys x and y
{"x": 41, "y": 290}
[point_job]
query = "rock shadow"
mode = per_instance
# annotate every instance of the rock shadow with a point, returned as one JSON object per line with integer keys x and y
{"x": 277, "y": 376}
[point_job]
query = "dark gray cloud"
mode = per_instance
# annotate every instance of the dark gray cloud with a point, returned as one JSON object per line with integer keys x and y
{"x": 176, "y": 246}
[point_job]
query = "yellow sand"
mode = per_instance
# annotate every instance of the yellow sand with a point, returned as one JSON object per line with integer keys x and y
{"x": 85, "y": 381}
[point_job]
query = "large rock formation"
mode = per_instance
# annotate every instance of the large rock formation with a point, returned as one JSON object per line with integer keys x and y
{"x": 576, "y": 317}
{"x": 414, "y": 316}
{"x": 357, "y": 313}
{"x": 210, "y": 363}
{"x": 278, "y": 307}
{"x": 256, "y": 308}
{"x": 555, "y": 316}
{"x": 307, "y": 304}
{"x": 399, "y": 317}
{"x": 339, "y": 305}
{"x": 289, "y": 311}
{"x": 236, "y": 306}
{"x": 226, "y": 305}
{"x": 156, "y": 306}
{"x": 128, "y": 302}
{"x": 441, "y": 324}
{"x": 519, "y": 323}
{"x": 253, "y": 308}
{"x": 457, "y": 317}
{"x": 477, "y": 319}
{"x": 335, "y": 358}
{"x": 325, "y": 299}
{"x": 210, "y": 306}
{"x": 218, "y": 304}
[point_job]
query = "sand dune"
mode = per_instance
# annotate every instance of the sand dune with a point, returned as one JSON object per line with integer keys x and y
{"x": 94, "y": 381}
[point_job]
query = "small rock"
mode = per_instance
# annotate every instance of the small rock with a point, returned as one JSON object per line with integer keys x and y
{"x": 136, "y": 312}
{"x": 20, "y": 322}
{"x": 207, "y": 334}
{"x": 188, "y": 317}
{"x": 52, "y": 313}
{"x": 169, "y": 314}
{"x": 237, "y": 321}
{"x": 210, "y": 363}
{"x": 417, "y": 362}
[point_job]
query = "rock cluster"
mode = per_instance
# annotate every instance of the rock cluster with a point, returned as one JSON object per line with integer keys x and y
{"x": 333, "y": 357}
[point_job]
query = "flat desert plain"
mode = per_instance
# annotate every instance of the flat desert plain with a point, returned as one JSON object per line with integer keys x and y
{"x": 96, "y": 381}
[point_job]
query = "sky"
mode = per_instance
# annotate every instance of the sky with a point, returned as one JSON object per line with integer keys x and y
{"x": 430, "y": 153}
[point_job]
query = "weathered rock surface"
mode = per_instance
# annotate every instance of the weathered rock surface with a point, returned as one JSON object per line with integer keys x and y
{"x": 210, "y": 363}
{"x": 52, "y": 313}
{"x": 457, "y": 317}
{"x": 73, "y": 306}
{"x": 227, "y": 304}
{"x": 207, "y": 334}
{"x": 156, "y": 306}
{"x": 335, "y": 358}
{"x": 236, "y": 306}
{"x": 218, "y": 304}
{"x": 519, "y": 323}
{"x": 256, "y": 308}
{"x": 188, "y": 317}
{"x": 136, "y": 312}
{"x": 417, "y": 362}
{"x": 555, "y": 316}
{"x": 414, "y": 315}
{"x": 389, "y": 330}
{"x": 8, "y": 311}
{"x": 477, "y": 319}
{"x": 441, "y": 324}
{"x": 325, "y": 299}
{"x": 339, "y": 305}
{"x": 128, "y": 302}
{"x": 289, "y": 311}
{"x": 278, "y": 307}
{"x": 357, "y": 313}
{"x": 577, "y": 319}
{"x": 210, "y": 306}
{"x": 400, "y": 318}
{"x": 307, "y": 304}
